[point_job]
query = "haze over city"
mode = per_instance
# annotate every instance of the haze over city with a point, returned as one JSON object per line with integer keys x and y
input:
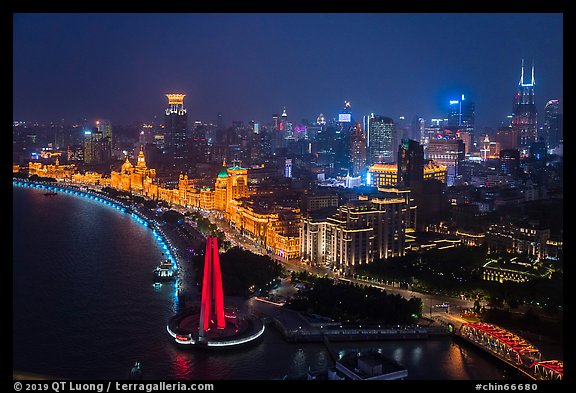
{"x": 250, "y": 66}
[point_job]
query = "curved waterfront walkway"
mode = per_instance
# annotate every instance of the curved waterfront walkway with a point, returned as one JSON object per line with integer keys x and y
{"x": 164, "y": 240}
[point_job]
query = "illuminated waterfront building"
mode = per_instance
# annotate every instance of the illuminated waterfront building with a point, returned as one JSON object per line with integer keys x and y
{"x": 220, "y": 194}
{"x": 56, "y": 171}
{"x": 236, "y": 186}
{"x": 134, "y": 179}
{"x": 372, "y": 227}
{"x": 92, "y": 178}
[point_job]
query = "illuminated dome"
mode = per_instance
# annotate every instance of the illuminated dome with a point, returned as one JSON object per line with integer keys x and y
{"x": 224, "y": 171}
{"x": 127, "y": 166}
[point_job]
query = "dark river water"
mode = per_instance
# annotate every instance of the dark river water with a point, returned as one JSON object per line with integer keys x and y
{"x": 84, "y": 308}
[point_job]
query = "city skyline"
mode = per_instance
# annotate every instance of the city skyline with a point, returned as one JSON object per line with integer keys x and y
{"x": 250, "y": 66}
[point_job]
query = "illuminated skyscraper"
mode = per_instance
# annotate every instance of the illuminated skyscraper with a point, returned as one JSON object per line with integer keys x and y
{"x": 461, "y": 119}
{"x": 524, "y": 116}
{"x": 358, "y": 150}
{"x": 97, "y": 144}
{"x": 176, "y": 131}
{"x": 552, "y": 124}
{"x": 381, "y": 140}
{"x": 341, "y": 141}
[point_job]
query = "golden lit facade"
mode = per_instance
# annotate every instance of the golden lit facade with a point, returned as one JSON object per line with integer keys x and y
{"x": 93, "y": 178}
{"x": 236, "y": 186}
{"x": 275, "y": 229}
{"x": 386, "y": 175}
{"x": 56, "y": 171}
{"x": 134, "y": 179}
{"x": 360, "y": 232}
{"x": 220, "y": 194}
{"x": 433, "y": 170}
{"x": 383, "y": 175}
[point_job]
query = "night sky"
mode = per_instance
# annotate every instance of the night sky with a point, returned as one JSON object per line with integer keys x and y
{"x": 249, "y": 66}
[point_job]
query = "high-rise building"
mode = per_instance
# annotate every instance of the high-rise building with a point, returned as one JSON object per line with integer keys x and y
{"x": 410, "y": 162}
{"x": 553, "y": 124}
{"x": 288, "y": 168}
{"x": 345, "y": 117}
{"x": 105, "y": 128}
{"x": 447, "y": 152}
{"x": 176, "y": 131}
{"x": 98, "y": 144}
{"x": 524, "y": 114}
{"x": 219, "y": 121}
{"x": 418, "y": 129}
{"x": 510, "y": 162}
{"x": 381, "y": 140}
{"x": 360, "y": 232}
{"x": 461, "y": 120}
{"x": 358, "y": 150}
{"x": 537, "y": 151}
{"x": 507, "y": 137}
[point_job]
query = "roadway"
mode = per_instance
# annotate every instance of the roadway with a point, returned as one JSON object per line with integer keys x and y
{"x": 429, "y": 301}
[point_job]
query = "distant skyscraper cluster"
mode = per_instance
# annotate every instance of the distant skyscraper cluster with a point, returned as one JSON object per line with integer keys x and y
{"x": 330, "y": 147}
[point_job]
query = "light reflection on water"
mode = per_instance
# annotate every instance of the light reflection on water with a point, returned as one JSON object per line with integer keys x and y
{"x": 83, "y": 287}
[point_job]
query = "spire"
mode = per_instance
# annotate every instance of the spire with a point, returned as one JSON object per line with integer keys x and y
{"x": 522, "y": 77}
{"x": 532, "y": 71}
{"x": 141, "y": 159}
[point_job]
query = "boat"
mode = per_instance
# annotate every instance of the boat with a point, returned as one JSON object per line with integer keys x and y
{"x": 136, "y": 371}
{"x": 50, "y": 193}
{"x": 165, "y": 272}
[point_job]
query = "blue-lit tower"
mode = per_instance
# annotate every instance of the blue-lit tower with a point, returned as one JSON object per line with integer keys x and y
{"x": 524, "y": 114}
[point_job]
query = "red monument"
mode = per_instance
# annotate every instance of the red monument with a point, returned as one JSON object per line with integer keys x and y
{"x": 212, "y": 289}
{"x": 207, "y": 324}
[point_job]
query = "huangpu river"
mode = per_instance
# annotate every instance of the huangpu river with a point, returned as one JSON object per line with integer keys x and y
{"x": 84, "y": 307}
